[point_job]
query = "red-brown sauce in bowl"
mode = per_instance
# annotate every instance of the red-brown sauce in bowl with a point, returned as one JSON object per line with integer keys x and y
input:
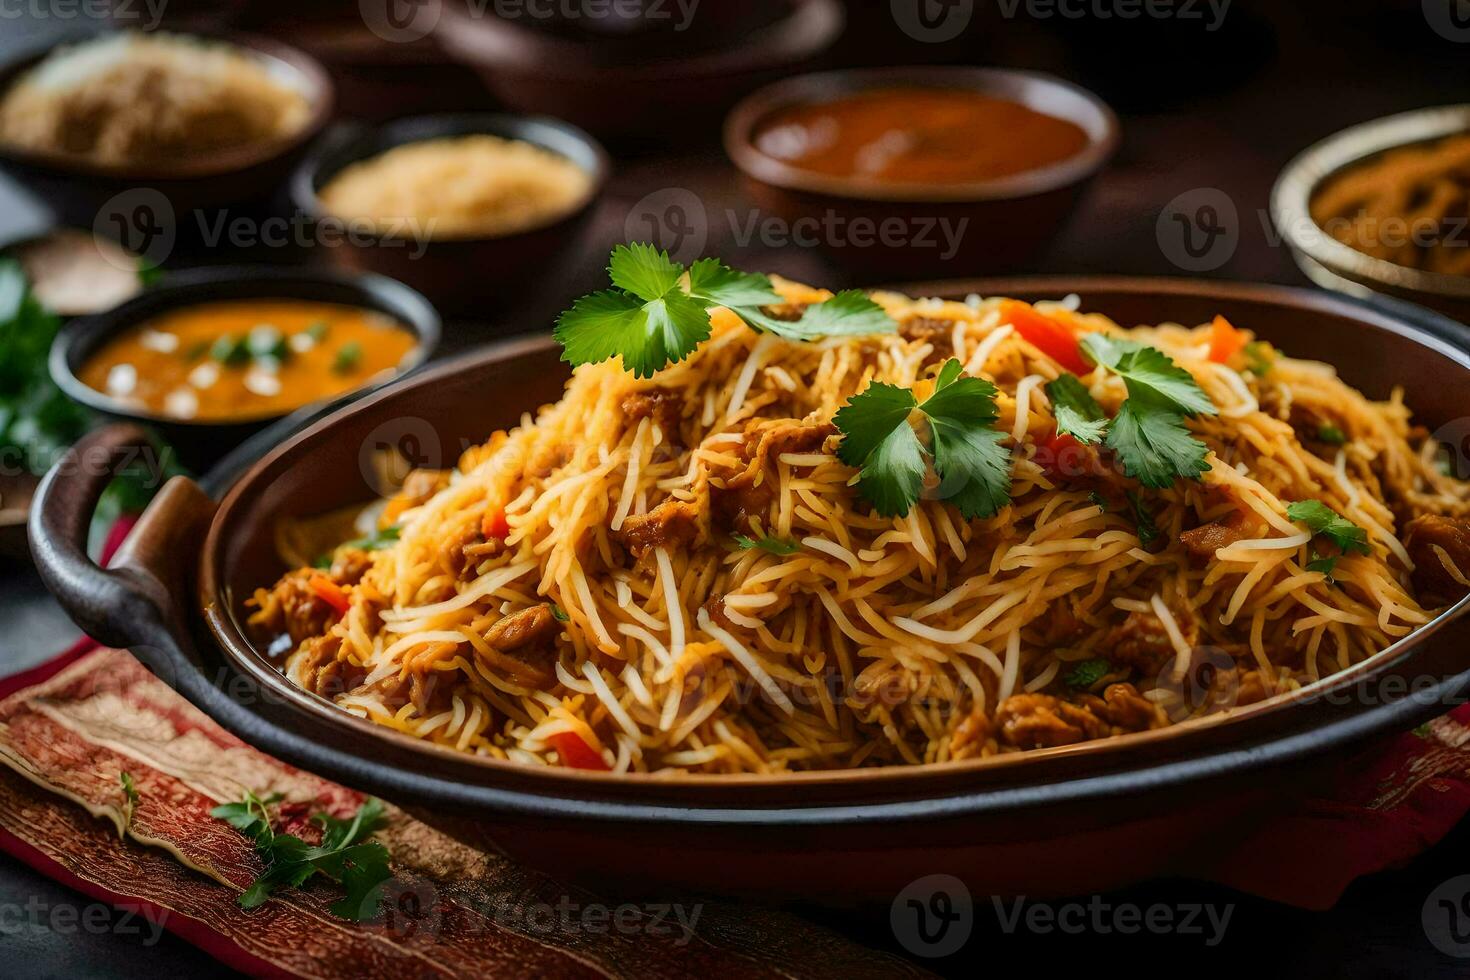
{"x": 919, "y": 136}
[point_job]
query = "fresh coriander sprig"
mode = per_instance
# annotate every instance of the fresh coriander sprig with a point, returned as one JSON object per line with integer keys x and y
{"x": 1148, "y": 433}
{"x": 776, "y": 546}
{"x": 1325, "y": 522}
{"x": 966, "y": 450}
{"x": 657, "y": 312}
{"x": 345, "y": 854}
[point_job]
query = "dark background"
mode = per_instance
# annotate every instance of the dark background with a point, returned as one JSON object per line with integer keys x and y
{"x": 1223, "y": 109}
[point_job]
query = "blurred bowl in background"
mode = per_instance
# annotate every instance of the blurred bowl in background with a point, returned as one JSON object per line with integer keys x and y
{"x": 201, "y": 442}
{"x": 972, "y": 227}
{"x": 622, "y": 85}
{"x": 77, "y": 189}
{"x": 1335, "y": 265}
{"x": 464, "y": 275}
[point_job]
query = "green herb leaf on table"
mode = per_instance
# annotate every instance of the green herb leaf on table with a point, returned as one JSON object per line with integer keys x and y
{"x": 1077, "y": 413}
{"x": 1323, "y": 521}
{"x": 130, "y": 799}
{"x": 345, "y": 854}
{"x": 776, "y": 546}
{"x": 973, "y": 466}
{"x": 651, "y": 320}
{"x": 36, "y": 419}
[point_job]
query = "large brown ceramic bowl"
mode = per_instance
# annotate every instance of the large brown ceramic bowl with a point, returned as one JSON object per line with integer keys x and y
{"x": 1071, "y": 819}
{"x": 982, "y": 227}
{"x": 631, "y": 90}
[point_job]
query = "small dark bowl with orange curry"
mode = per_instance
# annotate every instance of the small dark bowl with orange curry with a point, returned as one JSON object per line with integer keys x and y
{"x": 209, "y": 357}
{"x": 910, "y": 172}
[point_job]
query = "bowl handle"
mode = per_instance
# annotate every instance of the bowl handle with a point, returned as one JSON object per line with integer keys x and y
{"x": 147, "y": 584}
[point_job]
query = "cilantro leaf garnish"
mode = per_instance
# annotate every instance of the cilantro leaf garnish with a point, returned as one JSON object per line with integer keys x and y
{"x": 848, "y": 313}
{"x": 1077, "y": 413}
{"x": 652, "y": 319}
{"x": 973, "y": 466}
{"x": 1148, "y": 433}
{"x": 345, "y": 854}
{"x": 1328, "y": 523}
{"x": 1259, "y": 358}
{"x": 376, "y": 541}
{"x": 1331, "y": 435}
{"x": 1143, "y": 519}
{"x": 1087, "y": 673}
{"x": 776, "y": 546}
{"x": 1154, "y": 446}
{"x": 1324, "y": 565}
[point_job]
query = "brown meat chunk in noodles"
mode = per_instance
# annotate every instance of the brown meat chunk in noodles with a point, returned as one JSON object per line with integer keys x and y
{"x": 1425, "y": 537}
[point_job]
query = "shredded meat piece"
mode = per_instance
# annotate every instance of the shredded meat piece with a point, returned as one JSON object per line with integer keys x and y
{"x": 672, "y": 522}
{"x": 418, "y": 488}
{"x": 1037, "y": 721}
{"x": 666, "y": 408}
{"x": 531, "y": 627}
{"x": 716, "y": 609}
{"x": 747, "y": 495}
{"x": 1254, "y": 686}
{"x": 349, "y": 565}
{"x": 1434, "y": 583}
{"x": 970, "y": 735}
{"x": 326, "y": 672}
{"x": 1141, "y": 642}
{"x": 936, "y": 332}
{"x": 790, "y": 437}
{"x": 1061, "y": 625}
{"x": 734, "y": 506}
{"x": 466, "y": 549}
{"x": 291, "y": 607}
{"x": 1205, "y": 540}
{"x": 1131, "y": 711}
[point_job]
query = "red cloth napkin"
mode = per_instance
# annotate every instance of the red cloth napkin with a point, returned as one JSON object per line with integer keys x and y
{"x": 69, "y": 730}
